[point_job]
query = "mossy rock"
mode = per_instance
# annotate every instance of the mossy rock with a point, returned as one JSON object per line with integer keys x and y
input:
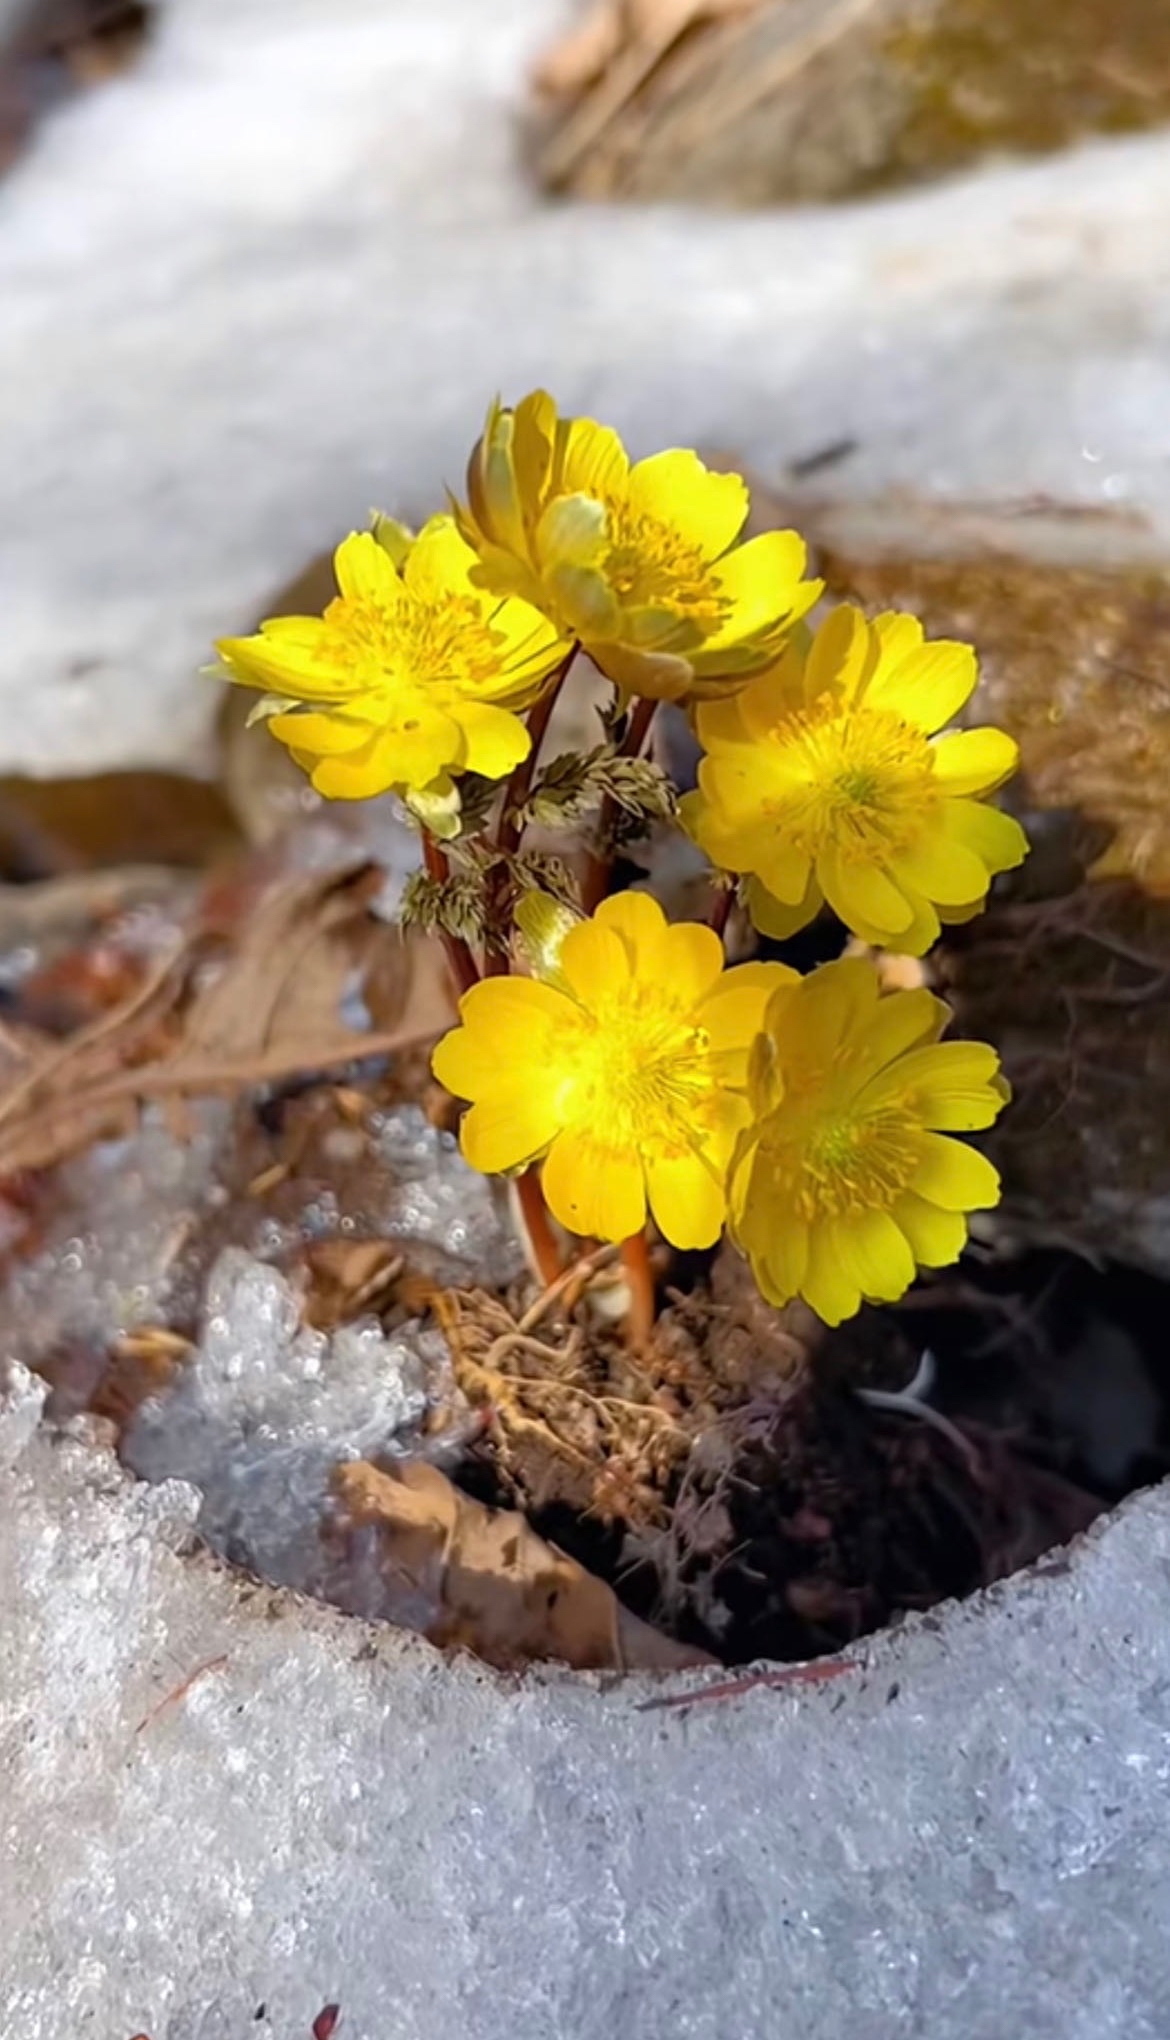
{"x": 820, "y": 99}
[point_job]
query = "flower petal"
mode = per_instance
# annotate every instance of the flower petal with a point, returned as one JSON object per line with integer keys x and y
{"x": 785, "y": 1260}
{"x": 842, "y": 655}
{"x": 590, "y": 459}
{"x": 928, "y": 688}
{"x": 974, "y": 761}
{"x": 954, "y": 1085}
{"x": 506, "y": 1024}
{"x": 365, "y": 572}
{"x": 940, "y": 867}
{"x": 640, "y": 922}
{"x": 861, "y": 891}
{"x": 512, "y": 1126}
{"x": 995, "y": 838}
{"x": 394, "y": 757}
{"x": 593, "y": 1189}
{"x": 707, "y": 510}
{"x": 832, "y": 1004}
{"x": 439, "y": 564}
{"x": 827, "y": 1287}
{"x": 732, "y": 1013}
{"x": 875, "y": 1254}
{"x": 687, "y": 1199}
{"x": 326, "y": 736}
{"x": 954, "y": 1175}
{"x": 594, "y": 960}
{"x": 759, "y": 581}
{"x": 936, "y": 1237}
{"x": 772, "y": 917}
{"x": 494, "y": 741}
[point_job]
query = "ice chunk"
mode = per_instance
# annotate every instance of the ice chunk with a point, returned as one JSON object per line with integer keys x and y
{"x": 264, "y": 1410}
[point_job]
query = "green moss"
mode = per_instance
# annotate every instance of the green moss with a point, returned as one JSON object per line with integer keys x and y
{"x": 984, "y": 75}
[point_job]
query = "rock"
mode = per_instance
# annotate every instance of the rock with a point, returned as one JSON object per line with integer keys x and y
{"x": 818, "y": 99}
{"x": 221, "y": 1797}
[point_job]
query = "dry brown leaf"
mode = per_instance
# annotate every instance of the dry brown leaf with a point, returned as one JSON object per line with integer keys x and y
{"x": 347, "y": 1277}
{"x": 271, "y": 1012}
{"x": 495, "y": 1587}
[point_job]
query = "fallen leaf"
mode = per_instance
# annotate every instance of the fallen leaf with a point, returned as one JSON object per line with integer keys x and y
{"x": 347, "y": 1277}
{"x": 202, "y": 1022}
{"x": 493, "y": 1586}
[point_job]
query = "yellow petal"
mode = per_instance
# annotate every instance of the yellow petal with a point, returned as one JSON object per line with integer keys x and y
{"x": 928, "y": 688}
{"x": 594, "y": 961}
{"x": 686, "y": 1199}
{"x": 936, "y": 1237}
{"x": 899, "y": 1022}
{"x": 862, "y": 892}
{"x": 995, "y": 838}
{"x": 707, "y": 510}
{"x": 501, "y": 1015}
{"x": 394, "y": 757}
{"x": 510, "y": 1127}
{"x": 440, "y": 563}
{"x": 826, "y": 1286}
{"x": 954, "y": 1175}
{"x": 534, "y": 431}
{"x": 759, "y": 581}
{"x": 365, "y": 572}
{"x": 289, "y": 665}
{"x": 492, "y": 480}
{"x": 660, "y": 676}
{"x": 772, "y": 917}
{"x": 641, "y": 924}
{"x": 940, "y": 867}
{"x": 593, "y": 1189}
{"x": 786, "y": 873}
{"x": 494, "y": 741}
{"x": 591, "y": 459}
{"x": 974, "y": 761}
{"x": 897, "y": 636}
{"x": 832, "y": 1004}
{"x": 920, "y": 932}
{"x": 951, "y": 1083}
{"x": 842, "y": 655}
{"x": 875, "y": 1254}
{"x": 732, "y": 1013}
{"x": 326, "y": 736}
{"x": 786, "y": 1260}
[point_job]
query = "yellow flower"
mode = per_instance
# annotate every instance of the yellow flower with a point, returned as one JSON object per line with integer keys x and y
{"x": 626, "y": 1073}
{"x": 638, "y": 562}
{"x": 845, "y": 1179}
{"x": 824, "y": 779}
{"x": 410, "y": 675}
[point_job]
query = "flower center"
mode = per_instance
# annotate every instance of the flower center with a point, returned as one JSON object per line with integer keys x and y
{"x": 829, "y": 1165}
{"x": 859, "y": 778}
{"x": 649, "y": 564}
{"x": 442, "y": 650}
{"x": 639, "y": 1077}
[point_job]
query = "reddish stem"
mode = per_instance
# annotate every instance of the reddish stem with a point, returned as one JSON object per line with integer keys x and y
{"x": 459, "y": 956}
{"x": 639, "y": 1275}
{"x": 538, "y": 1225}
{"x": 600, "y": 865}
{"x": 721, "y": 911}
{"x": 520, "y": 784}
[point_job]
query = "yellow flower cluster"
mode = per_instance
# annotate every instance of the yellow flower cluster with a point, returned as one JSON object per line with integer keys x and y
{"x": 825, "y": 779}
{"x": 814, "y": 1117}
